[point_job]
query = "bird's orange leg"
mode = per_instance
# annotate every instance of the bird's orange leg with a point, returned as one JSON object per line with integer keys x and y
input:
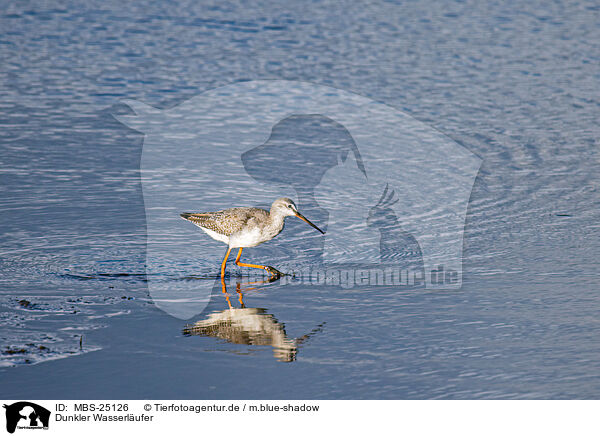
{"x": 238, "y": 288}
{"x": 224, "y": 263}
{"x": 224, "y": 289}
{"x": 269, "y": 269}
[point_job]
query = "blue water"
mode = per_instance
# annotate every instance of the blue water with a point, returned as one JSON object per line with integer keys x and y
{"x": 516, "y": 84}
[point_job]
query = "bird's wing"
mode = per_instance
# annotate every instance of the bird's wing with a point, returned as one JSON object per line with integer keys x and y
{"x": 226, "y": 222}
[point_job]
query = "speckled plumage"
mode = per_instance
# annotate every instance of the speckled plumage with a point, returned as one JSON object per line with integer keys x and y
{"x": 229, "y": 221}
{"x": 239, "y": 226}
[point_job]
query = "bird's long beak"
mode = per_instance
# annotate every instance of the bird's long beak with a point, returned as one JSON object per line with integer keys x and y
{"x": 299, "y": 215}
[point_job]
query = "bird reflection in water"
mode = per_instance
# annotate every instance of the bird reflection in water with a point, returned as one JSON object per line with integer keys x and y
{"x": 250, "y": 326}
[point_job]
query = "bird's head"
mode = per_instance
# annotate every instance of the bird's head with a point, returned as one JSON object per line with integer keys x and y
{"x": 286, "y": 207}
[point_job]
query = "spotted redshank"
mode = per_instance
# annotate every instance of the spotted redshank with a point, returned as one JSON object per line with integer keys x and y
{"x": 242, "y": 227}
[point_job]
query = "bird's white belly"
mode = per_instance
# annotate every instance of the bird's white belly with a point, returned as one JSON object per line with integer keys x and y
{"x": 215, "y": 235}
{"x": 249, "y": 238}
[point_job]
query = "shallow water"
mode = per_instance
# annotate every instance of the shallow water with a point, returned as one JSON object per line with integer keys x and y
{"x": 516, "y": 85}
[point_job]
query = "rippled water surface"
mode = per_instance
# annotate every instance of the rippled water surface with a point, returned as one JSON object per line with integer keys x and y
{"x": 516, "y": 84}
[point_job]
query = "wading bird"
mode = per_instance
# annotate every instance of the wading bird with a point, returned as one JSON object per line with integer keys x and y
{"x": 242, "y": 227}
